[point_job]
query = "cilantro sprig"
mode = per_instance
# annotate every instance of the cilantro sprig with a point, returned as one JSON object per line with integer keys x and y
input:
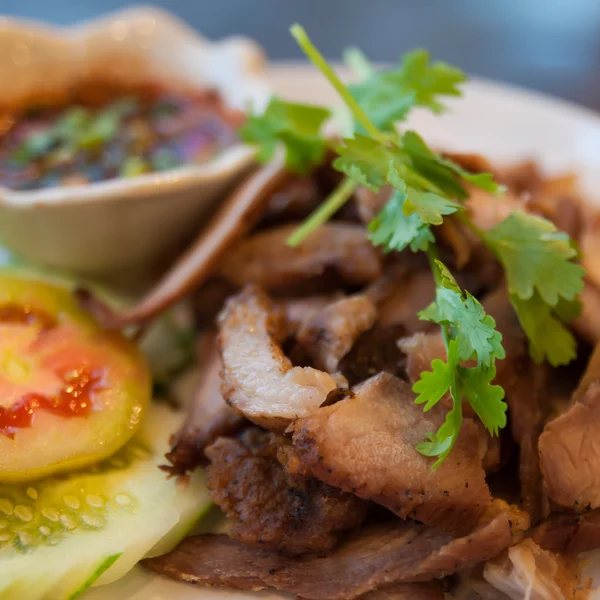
{"x": 543, "y": 279}
{"x": 470, "y": 335}
{"x": 296, "y": 126}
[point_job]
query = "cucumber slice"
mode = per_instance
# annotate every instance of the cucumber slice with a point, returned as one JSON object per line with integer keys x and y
{"x": 60, "y": 535}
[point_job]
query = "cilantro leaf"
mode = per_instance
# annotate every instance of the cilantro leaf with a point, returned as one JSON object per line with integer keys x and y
{"x": 471, "y": 384}
{"x": 296, "y": 126}
{"x": 441, "y": 442}
{"x": 435, "y": 384}
{"x": 473, "y": 330}
{"x": 374, "y": 164}
{"x": 548, "y": 336}
{"x": 429, "y": 206}
{"x": 485, "y": 399}
{"x": 387, "y": 96}
{"x": 536, "y": 258}
{"x": 431, "y": 388}
{"x": 394, "y": 230}
{"x": 446, "y": 173}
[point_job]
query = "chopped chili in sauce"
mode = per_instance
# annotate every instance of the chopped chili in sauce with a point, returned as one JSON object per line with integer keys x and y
{"x": 101, "y": 130}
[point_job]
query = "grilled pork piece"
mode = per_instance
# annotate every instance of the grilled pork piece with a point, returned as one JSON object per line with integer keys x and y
{"x": 339, "y": 250}
{"x": 570, "y": 454}
{"x": 525, "y": 386}
{"x": 421, "y": 349}
{"x": 378, "y": 556}
{"x": 408, "y": 591}
{"x": 570, "y": 533}
{"x": 209, "y": 418}
{"x": 527, "y": 571}
{"x": 258, "y": 379}
{"x": 365, "y": 444}
{"x": 409, "y": 295}
{"x": 329, "y": 334}
{"x": 273, "y": 510}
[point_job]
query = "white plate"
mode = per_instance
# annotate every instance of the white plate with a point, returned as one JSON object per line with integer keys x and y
{"x": 506, "y": 124}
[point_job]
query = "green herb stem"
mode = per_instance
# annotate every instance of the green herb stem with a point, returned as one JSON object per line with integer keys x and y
{"x": 432, "y": 256}
{"x": 324, "y": 212}
{"x": 299, "y": 34}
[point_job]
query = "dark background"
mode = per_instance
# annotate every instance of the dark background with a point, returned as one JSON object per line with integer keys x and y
{"x": 549, "y": 45}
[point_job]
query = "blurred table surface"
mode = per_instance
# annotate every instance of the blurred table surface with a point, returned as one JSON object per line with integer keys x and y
{"x": 549, "y": 45}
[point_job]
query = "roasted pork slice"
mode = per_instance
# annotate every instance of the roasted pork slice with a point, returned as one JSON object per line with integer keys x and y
{"x": 421, "y": 349}
{"x": 209, "y": 415}
{"x": 526, "y": 389}
{"x": 365, "y": 444}
{"x": 369, "y": 203}
{"x": 292, "y": 202}
{"x": 378, "y": 556}
{"x": 298, "y": 310}
{"x": 409, "y": 295}
{"x": 528, "y": 571}
{"x": 329, "y": 334}
{"x": 587, "y": 324}
{"x": 258, "y": 379}
{"x": 569, "y": 451}
{"x": 487, "y": 210}
{"x": 431, "y": 590}
{"x": 272, "y": 509}
{"x": 570, "y": 533}
{"x": 339, "y": 250}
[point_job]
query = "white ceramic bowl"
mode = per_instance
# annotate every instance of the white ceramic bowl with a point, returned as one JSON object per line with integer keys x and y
{"x": 118, "y": 224}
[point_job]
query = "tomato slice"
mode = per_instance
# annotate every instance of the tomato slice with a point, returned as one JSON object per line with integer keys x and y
{"x": 71, "y": 393}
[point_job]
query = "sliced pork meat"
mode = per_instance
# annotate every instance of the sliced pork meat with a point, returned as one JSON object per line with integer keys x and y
{"x": 369, "y": 203}
{"x": 298, "y": 310}
{"x": 339, "y": 250}
{"x": 374, "y": 351}
{"x": 258, "y": 379}
{"x": 411, "y": 294}
{"x": 329, "y": 334}
{"x": 408, "y": 591}
{"x": 570, "y": 533}
{"x": 569, "y": 451}
{"x": 528, "y": 571}
{"x": 209, "y": 418}
{"x": 421, "y": 349}
{"x": 487, "y": 210}
{"x": 525, "y": 386}
{"x": 272, "y": 509}
{"x": 587, "y": 324}
{"x": 293, "y": 202}
{"x": 365, "y": 444}
{"x": 378, "y": 556}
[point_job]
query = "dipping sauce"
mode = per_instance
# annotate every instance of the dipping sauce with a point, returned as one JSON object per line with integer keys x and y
{"x": 103, "y": 131}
